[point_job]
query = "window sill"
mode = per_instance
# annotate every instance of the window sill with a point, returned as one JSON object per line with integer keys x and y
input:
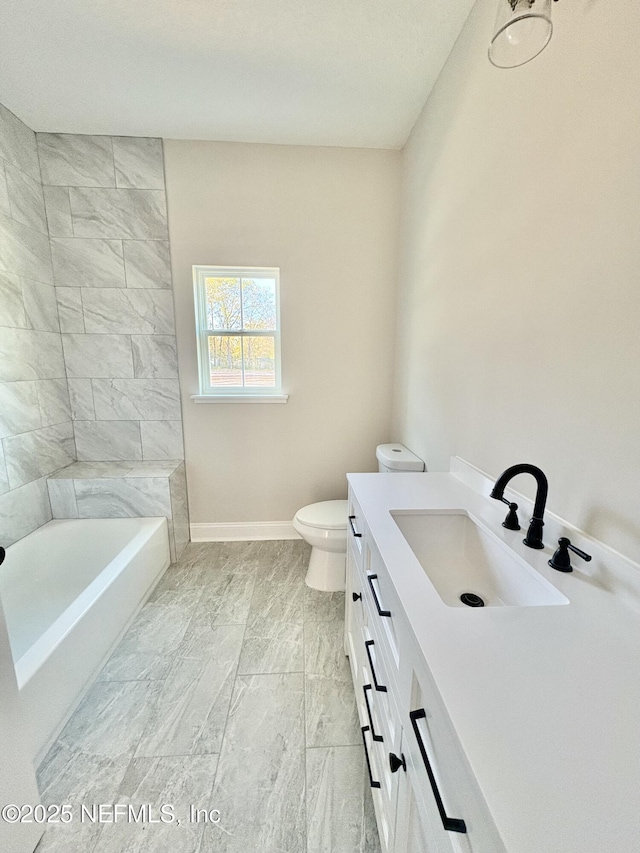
{"x": 240, "y": 398}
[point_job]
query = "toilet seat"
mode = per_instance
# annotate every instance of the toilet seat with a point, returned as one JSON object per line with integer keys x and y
{"x": 330, "y": 515}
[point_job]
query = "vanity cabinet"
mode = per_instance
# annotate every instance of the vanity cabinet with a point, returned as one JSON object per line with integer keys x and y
{"x": 425, "y": 796}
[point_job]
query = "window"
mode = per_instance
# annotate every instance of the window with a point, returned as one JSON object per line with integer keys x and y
{"x": 238, "y": 328}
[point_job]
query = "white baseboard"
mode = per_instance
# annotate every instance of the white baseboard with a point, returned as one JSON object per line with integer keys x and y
{"x": 242, "y": 531}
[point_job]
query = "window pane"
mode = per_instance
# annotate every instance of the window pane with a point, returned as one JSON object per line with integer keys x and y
{"x": 259, "y": 303}
{"x": 259, "y": 361}
{"x": 223, "y": 303}
{"x": 225, "y": 360}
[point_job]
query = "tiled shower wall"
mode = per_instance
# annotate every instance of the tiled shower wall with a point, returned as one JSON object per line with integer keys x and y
{"x": 36, "y": 433}
{"x": 106, "y": 208}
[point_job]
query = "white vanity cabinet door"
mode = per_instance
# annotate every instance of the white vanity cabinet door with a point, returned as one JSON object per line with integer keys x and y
{"x": 416, "y": 831}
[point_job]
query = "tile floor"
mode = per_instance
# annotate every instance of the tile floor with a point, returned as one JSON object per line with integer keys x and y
{"x": 230, "y": 691}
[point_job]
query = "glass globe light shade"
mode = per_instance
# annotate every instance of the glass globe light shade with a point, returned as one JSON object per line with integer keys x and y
{"x": 523, "y": 29}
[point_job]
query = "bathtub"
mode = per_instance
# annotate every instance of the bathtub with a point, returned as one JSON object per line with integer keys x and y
{"x": 69, "y": 591}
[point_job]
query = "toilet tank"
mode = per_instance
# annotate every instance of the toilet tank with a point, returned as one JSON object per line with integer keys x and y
{"x": 396, "y": 458}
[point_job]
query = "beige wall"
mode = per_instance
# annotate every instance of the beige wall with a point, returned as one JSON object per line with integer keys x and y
{"x": 328, "y": 217}
{"x": 520, "y": 273}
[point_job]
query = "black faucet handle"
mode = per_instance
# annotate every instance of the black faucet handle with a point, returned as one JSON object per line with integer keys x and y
{"x": 511, "y": 521}
{"x": 561, "y": 560}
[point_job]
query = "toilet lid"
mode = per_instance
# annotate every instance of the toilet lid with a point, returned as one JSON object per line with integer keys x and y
{"x": 331, "y": 515}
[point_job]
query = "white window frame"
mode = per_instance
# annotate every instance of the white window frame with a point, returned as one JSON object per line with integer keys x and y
{"x": 209, "y": 393}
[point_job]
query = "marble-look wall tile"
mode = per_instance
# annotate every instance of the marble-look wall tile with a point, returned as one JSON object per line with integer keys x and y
{"x": 40, "y": 305}
{"x": 53, "y": 400}
{"x": 266, "y": 711}
{"x": 162, "y": 440}
{"x": 58, "y": 210}
{"x": 70, "y": 313}
{"x": 12, "y": 311}
{"x": 62, "y": 496}
{"x": 128, "y": 214}
{"x": 139, "y": 162}
{"x": 69, "y": 159}
{"x": 81, "y": 399}
{"x": 26, "y": 199}
{"x": 5, "y": 207}
{"x": 36, "y": 454}
{"x": 124, "y": 498}
{"x": 18, "y": 144}
{"x": 4, "y": 477}
{"x": 97, "y": 471}
{"x": 87, "y": 263}
{"x": 107, "y": 440}
{"x": 179, "y": 509}
{"x": 128, "y": 311}
{"x": 98, "y": 356}
{"x": 23, "y": 510}
{"x": 19, "y": 410}
{"x": 25, "y": 354}
{"x": 147, "y": 263}
{"x": 154, "y": 356}
{"x": 136, "y": 399}
{"x": 24, "y": 251}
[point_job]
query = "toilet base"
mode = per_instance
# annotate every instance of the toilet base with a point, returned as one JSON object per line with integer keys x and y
{"x": 326, "y": 570}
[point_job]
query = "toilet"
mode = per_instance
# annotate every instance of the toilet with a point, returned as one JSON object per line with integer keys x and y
{"x": 324, "y": 525}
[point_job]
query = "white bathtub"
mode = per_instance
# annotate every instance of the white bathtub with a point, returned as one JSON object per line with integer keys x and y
{"x": 69, "y": 590}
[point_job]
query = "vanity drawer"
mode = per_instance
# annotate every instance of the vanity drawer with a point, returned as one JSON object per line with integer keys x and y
{"x": 355, "y": 529}
{"x": 383, "y": 605}
{"x": 384, "y": 782}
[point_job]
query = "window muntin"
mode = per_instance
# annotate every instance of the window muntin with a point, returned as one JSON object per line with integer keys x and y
{"x": 238, "y": 328}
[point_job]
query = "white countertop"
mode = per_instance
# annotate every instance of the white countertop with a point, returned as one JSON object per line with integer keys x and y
{"x": 545, "y": 699}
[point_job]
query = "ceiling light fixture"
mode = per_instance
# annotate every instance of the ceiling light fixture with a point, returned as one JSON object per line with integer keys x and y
{"x": 523, "y": 29}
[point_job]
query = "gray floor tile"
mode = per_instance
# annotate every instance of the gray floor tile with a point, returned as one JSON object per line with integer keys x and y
{"x": 324, "y": 649}
{"x": 271, "y": 646}
{"x": 330, "y": 709}
{"x": 147, "y": 650}
{"x": 335, "y": 800}
{"x": 177, "y": 691}
{"x": 260, "y": 782}
{"x": 323, "y": 606}
{"x": 111, "y": 718}
{"x": 68, "y": 775}
{"x": 226, "y": 599}
{"x": 280, "y": 601}
{"x": 178, "y": 782}
{"x": 191, "y": 711}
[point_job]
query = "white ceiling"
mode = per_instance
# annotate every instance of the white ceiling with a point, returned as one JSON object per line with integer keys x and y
{"x": 309, "y": 72}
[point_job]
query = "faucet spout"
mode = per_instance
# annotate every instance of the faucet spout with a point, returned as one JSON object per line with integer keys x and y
{"x": 534, "y": 535}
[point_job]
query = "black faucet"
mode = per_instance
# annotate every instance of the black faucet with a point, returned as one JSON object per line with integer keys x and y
{"x": 534, "y": 535}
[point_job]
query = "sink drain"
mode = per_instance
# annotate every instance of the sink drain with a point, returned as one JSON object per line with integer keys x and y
{"x": 471, "y": 599}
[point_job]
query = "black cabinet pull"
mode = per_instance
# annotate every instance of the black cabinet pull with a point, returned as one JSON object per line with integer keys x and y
{"x": 372, "y": 782}
{"x": 356, "y": 596}
{"x": 374, "y": 736}
{"x": 353, "y": 530}
{"x": 379, "y": 687}
{"x": 381, "y": 612}
{"x": 452, "y": 824}
{"x": 395, "y": 763}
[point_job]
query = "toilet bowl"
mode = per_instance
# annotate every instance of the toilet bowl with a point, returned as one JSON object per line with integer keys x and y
{"x": 324, "y": 526}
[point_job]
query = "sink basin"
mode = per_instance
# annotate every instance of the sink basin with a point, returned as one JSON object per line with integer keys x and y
{"x": 460, "y": 556}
